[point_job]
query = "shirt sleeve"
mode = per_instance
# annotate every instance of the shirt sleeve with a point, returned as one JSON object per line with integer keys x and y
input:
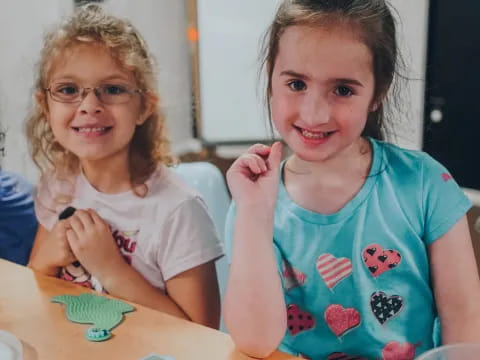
{"x": 191, "y": 239}
{"x": 443, "y": 200}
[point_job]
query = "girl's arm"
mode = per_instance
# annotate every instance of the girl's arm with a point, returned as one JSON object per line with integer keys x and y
{"x": 192, "y": 295}
{"x": 456, "y": 284}
{"x": 254, "y": 307}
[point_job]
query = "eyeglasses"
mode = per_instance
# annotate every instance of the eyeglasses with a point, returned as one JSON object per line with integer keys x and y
{"x": 107, "y": 93}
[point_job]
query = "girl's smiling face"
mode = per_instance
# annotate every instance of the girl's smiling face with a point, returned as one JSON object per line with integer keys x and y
{"x": 90, "y": 128}
{"x": 322, "y": 90}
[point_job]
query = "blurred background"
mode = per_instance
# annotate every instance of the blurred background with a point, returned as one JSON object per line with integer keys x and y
{"x": 207, "y": 53}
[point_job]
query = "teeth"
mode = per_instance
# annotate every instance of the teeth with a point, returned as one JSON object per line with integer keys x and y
{"x": 311, "y": 135}
{"x": 98, "y": 129}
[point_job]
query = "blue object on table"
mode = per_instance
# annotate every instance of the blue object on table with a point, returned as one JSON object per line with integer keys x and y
{"x": 18, "y": 224}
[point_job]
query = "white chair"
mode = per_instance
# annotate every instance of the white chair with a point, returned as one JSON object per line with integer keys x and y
{"x": 207, "y": 179}
{"x": 453, "y": 352}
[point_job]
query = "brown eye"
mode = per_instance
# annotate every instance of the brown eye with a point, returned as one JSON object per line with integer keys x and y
{"x": 297, "y": 85}
{"x": 343, "y": 91}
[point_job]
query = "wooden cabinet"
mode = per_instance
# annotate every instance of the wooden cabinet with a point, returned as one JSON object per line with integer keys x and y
{"x": 474, "y": 217}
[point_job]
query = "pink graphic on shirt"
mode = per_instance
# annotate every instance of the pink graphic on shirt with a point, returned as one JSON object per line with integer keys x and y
{"x": 341, "y": 320}
{"x": 77, "y": 274}
{"x": 396, "y": 351}
{"x": 292, "y": 277}
{"x": 298, "y": 320}
{"x": 333, "y": 270}
{"x": 126, "y": 245}
{"x": 379, "y": 261}
{"x": 446, "y": 177}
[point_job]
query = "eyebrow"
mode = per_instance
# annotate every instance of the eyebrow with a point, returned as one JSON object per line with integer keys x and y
{"x": 108, "y": 78}
{"x": 305, "y": 77}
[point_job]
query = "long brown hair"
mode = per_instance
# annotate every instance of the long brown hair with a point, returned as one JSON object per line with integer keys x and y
{"x": 376, "y": 27}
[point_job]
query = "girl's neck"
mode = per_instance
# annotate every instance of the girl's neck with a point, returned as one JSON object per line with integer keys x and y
{"x": 110, "y": 176}
{"x": 353, "y": 161}
{"x": 326, "y": 187}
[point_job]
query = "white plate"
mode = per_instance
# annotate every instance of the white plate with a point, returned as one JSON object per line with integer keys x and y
{"x": 10, "y": 346}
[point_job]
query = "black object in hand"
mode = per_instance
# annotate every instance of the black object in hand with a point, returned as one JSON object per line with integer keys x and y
{"x": 65, "y": 214}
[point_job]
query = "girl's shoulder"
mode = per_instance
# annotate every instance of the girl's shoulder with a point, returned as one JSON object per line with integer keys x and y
{"x": 168, "y": 186}
{"x": 399, "y": 161}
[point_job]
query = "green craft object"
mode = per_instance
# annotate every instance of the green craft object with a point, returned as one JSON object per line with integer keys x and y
{"x": 102, "y": 312}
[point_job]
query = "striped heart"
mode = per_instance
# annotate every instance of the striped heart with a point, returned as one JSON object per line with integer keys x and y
{"x": 333, "y": 270}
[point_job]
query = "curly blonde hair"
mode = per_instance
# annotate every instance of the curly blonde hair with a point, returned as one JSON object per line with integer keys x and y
{"x": 90, "y": 24}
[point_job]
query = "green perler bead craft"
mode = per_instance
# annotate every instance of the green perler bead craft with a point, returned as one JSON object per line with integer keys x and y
{"x": 102, "y": 312}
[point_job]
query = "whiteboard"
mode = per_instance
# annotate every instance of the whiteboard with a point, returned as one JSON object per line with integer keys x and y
{"x": 231, "y": 97}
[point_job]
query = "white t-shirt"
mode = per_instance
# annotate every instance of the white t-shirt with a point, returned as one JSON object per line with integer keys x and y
{"x": 161, "y": 235}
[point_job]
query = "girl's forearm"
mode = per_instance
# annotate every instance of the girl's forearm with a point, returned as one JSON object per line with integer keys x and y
{"x": 128, "y": 284}
{"x": 37, "y": 265}
{"x": 254, "y": 307}
{"x": 464, "y": 328}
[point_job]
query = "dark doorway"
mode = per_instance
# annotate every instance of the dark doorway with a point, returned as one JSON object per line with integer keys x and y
{"x": 452, "y": 108}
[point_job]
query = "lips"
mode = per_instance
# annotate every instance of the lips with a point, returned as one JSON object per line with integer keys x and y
{"x": 313, "y": 135}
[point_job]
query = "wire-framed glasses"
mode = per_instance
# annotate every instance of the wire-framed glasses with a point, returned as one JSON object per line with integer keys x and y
{"x": 107, "y": 93}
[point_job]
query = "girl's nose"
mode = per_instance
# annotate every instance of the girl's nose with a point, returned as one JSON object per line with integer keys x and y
{"x": 90, "y": 104}
{"x": 315, "y": 110}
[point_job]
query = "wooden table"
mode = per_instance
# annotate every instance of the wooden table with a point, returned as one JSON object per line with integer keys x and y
{"x": 46, "y": 334}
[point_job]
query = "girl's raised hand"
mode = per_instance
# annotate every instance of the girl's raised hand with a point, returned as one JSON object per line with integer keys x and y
{"x": 253, "y": 178}
{"x": 92, "y": 243}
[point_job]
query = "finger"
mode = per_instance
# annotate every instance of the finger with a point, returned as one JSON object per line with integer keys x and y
{"x": 275, "y": 156}
{"x": 75, "y": 225}
{"x": 71, "y": 256}
{"x": 97, "y": 220}
{"x": 253, "y": 164}
{"x": 62, "y": 226}
{"x": 73, "y": 240}
{"x": 259, "y": 149}
{"x": 85, "y": 217}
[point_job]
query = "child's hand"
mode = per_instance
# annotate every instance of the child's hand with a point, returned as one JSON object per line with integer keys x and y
{"x": 253, "y": 178}
{"x": 54, "y": 251}
{"x": 93, "y": 244}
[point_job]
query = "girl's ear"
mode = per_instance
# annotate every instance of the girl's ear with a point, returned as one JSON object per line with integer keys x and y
{"x": 149, "y": 105}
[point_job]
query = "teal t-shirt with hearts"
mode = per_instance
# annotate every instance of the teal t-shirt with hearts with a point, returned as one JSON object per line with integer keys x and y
{"x": 357, "y": 282}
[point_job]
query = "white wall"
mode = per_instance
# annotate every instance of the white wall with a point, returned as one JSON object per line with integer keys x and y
{"x": 163, "y": 23}
{"x": 21, "y": 28}
{"x": 413, "y": 29}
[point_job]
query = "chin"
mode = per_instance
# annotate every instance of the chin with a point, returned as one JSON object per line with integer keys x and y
{"x": 313, "y": 157}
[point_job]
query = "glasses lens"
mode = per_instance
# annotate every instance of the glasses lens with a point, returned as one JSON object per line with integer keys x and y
{"x": 114, "y": 93}
{"x": 65, "y": 92}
